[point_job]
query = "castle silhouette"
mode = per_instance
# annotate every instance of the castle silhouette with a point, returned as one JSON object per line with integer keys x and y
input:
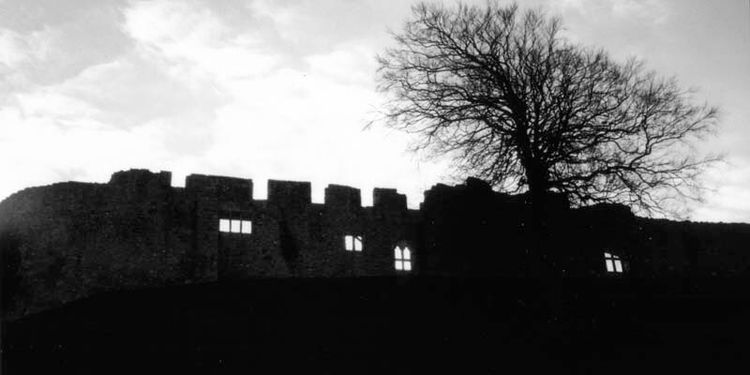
{"x": 66, "y": 241}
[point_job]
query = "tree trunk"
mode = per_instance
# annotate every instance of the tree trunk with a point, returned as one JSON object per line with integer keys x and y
{"x": 539, "y": 231}
{"x": 540, "y": 259}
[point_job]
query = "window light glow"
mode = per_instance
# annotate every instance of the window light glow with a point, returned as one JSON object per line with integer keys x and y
{"x": 613, "y": 263}
{"x": 247, "y": 226}
{"x": 353, "y": 243}
{"x": 235, "y": 226}
{"x": 223, "y": 225}
{"x": 402, "y": 258}
{"x": 610, "y": 265}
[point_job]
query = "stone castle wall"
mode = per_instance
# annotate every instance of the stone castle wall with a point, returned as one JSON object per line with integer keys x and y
{"x": 69, "y": 240}
{"x": 66, "y": 241}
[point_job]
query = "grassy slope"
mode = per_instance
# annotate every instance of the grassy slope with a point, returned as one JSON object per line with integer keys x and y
{"x": 386, "y": 325}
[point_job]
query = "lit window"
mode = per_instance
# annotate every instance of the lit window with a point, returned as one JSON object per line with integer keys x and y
{"x": 247, "y": 226}
{"x": 223, "y": 225}
{"x": 613, "y": 263}
{"x": 353, "y": 243}
{"x": 402, "y": 257}
{"x": 235, "y": 226}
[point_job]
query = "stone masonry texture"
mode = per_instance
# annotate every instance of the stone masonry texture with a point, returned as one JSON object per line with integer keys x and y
{"x": 67, "y": 241}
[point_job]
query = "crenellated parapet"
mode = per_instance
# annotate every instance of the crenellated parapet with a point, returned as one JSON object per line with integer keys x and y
{"x": 223, "y": 188}
{"x": 388, "y": 200}
{"x": 286, "y": 194}
{"x": 289, "y": 194}
{"x": 340, "y": 197}
{"x": 69, "y": 240}
{"x": 138, "y": 231}
{"x": 141, "y": 178}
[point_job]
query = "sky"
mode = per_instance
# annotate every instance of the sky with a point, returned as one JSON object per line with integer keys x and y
{"x": 284, "y": 89}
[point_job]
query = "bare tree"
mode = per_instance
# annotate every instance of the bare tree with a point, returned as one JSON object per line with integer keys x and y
{"x": 520, "y": 106}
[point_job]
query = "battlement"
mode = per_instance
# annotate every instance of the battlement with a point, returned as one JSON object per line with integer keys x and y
{"x": 473, "y": 187}
{"x": 141, "y": 177}
{"x": 388, "y": 199}
{"x": 289, "y": 194}
{"x": 224, "y": 188}
{"x": 139, "y": 231}
{"x": 342, "y": 197}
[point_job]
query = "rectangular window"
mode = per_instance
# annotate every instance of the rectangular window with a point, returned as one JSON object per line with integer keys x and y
{"x": 618, "y": 266}
{"x": 353, "y": 243}
{"x": 348, "y": 243}
{"x": 235, "y": 226}
{"x": 223, "y": 225}
{"x": 613, "y": 263}
{"x": 610, "y": 265}
{"x": 247, "y": 226}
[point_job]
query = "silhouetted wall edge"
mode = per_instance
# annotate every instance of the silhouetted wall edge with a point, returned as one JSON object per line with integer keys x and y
{"x": 69, "y": 240}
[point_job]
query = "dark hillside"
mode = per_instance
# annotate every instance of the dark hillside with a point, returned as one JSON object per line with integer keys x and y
{"x": 391, "y": 325}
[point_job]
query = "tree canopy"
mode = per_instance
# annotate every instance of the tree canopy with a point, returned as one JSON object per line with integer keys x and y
{"x": 517, "y": 104}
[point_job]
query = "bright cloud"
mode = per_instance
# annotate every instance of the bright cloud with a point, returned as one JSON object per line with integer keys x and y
{"x": 728, "y": 199}
{"x": 184, "y": 33}
{"x": 260, "y": 89}
{"x": 16, "y": 48}
{"x": 639, "y": 10}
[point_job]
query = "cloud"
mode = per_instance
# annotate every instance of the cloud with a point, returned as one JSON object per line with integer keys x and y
{"x": 631, "y": 25}
{"x": 294, "y": 113}
{"x": 40, "y": 46}
{"x": 127, "y": 92}
{"x": 259, "y": 88}
{"x": 348, "y": 64}
{"x": 207, "y": 88}
{"x": 18, "y": 51}
{"x": 728, "y": 198}
{"x": 309, "y": 26}
{"x": 197, "y": 41}
{"x": 652, "y": 11}
{"x": 36, "y": 150}
{"x": 135, "y": 109}
{"x": 16, "y": 48}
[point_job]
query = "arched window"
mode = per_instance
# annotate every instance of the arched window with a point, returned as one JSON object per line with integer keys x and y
{"x": 402, "y": 256}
